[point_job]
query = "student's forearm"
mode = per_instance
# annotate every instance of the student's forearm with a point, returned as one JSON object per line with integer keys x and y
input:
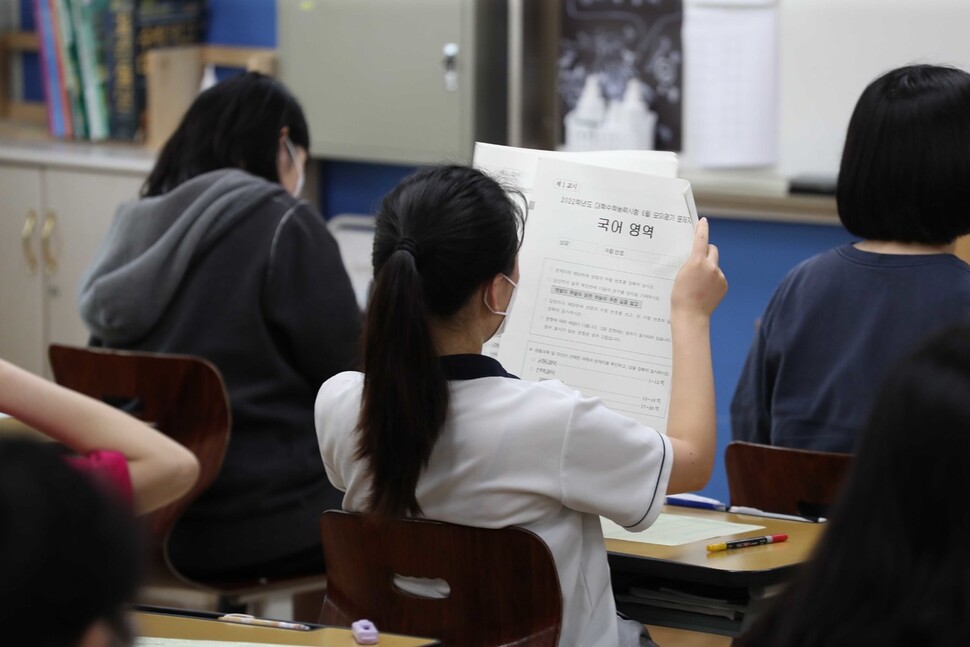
{"x": 691, "y": 425}
{"x": 161, "y": 469}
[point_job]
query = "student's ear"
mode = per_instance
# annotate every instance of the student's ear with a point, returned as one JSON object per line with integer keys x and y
{"x": 98, "y": 634}
{"x": 494, "y": 294}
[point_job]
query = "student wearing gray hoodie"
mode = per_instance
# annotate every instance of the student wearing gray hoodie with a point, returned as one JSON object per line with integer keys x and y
{"x": 220, "y": 260}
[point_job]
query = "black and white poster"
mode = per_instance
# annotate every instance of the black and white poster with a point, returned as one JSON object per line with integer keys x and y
{"x": 619, "y": 40}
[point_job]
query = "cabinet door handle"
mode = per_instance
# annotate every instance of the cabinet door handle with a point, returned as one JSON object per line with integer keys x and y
{"x": 50, "y": 260}
{"x": 30, "y": 222}
{"x": 450, "y": 62}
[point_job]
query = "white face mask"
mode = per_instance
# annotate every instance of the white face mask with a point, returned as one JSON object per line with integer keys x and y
{"x": 299, "y": 169}
{"x": 508, "y": 308}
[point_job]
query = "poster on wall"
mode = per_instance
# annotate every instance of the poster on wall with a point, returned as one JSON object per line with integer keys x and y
{"x": 620, "y": 72}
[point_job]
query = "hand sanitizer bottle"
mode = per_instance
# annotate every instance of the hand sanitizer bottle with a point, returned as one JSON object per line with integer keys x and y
{"x": 613, "y": 133}
{"x": 583, "y": 121}
{"x": 640, "y": 121}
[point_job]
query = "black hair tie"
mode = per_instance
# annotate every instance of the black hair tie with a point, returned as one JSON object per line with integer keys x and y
{"x": 408, "y": 245}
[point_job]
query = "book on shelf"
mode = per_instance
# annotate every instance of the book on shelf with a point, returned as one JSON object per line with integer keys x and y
{"x": 71, "y": 76}
{"x": 132, "y": 28}
{"x": 605, "y": 236}
{"x": 58, "y": 120}
{"x": 88, "y": 16}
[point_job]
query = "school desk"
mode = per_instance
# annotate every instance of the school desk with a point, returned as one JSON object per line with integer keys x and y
{"x": 195, "y": 627}
{"x": 697, "y": 581}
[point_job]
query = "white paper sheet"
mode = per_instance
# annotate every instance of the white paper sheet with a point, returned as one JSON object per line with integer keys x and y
{"x": 675, "y": 530}
{"x": 592, "y": 308}
{"x": 516, "y": 168}
{"x": 731, "y": 82}
{"x": 152, "y": 641}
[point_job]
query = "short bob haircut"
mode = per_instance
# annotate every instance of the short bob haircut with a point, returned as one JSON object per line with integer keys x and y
{"x": 906, "y": 163}
{"x": 233, "y": 124}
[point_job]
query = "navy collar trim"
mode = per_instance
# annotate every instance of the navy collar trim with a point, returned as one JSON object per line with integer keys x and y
{"x": 471, "y": 367}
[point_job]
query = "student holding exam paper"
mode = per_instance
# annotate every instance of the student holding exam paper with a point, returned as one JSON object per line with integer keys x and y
{"x": 434, "y": 428}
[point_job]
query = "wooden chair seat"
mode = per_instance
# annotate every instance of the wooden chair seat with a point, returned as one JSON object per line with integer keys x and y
{"x": 784, "y": 480}
{"x": 504, "y": 589}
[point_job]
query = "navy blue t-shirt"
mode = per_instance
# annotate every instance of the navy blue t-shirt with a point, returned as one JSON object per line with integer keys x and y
{"x": 831, "y": 332}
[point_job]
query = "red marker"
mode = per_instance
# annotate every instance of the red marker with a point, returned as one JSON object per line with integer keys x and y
{"x": 743, "y": 543}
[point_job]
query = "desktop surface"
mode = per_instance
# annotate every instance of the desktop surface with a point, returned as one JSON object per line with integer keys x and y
{"x": 687, "y": 587}
{"x": 754, "y": 565}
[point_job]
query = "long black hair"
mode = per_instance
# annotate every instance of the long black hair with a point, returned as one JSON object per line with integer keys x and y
{"x": 233, "y": 124}
{"x": 892, "y": 567}
{"x": 441, "y": 234}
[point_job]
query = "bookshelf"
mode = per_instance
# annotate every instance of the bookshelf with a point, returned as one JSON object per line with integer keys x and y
{"x": 12, "y": 45}
{"x": 173, "y": 76}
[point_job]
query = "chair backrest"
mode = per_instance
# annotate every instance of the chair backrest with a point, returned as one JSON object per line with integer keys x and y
{"x": 781, "y": 479}
{"x": 183, "y": 397}
{"x": 504, "y": 589}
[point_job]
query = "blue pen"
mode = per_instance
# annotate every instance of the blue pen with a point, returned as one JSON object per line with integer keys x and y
{"x": 696, "y": 503}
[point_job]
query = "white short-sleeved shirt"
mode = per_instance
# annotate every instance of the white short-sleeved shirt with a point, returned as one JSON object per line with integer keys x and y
{"x": 538, "y": 455}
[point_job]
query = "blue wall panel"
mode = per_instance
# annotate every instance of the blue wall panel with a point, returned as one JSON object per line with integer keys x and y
{"x": 249, "y": 23}
{"x": 754, "y": 255}
{"x": 354, "y": 187}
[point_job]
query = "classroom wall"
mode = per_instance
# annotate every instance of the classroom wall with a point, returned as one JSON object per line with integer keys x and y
{"x": 755, "y": 255}
{"x": 831, "y": 49}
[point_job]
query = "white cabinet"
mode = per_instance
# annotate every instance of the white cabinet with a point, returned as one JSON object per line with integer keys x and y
{"x": 21, "y": 286}
{"x": 394, "y": 81}
{"x": 53, "y": 217}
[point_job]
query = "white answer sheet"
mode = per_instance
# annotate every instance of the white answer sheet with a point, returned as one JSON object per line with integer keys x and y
{"x": 676, "y": 530}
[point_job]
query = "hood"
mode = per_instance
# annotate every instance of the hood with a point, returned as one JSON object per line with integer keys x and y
{"x": 152, "y": 242}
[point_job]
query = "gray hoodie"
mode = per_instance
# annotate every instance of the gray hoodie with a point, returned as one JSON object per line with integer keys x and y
{"x": 230, "y": 267}
{"x": 151, "y": 244}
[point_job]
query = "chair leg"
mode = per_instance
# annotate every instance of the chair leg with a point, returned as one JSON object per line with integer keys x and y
{"x": 307, "y": 605}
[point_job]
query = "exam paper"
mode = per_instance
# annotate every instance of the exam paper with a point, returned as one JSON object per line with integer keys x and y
{"x": 151, "y": 641}
{"x": 597, "y": 265}
{"x": 516, "y": 169}
{"x": 676, "y": 530}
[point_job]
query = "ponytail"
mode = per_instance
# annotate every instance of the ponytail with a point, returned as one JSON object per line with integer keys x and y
{"x": 441, "y": 234}
{"x": 405, "y": 396}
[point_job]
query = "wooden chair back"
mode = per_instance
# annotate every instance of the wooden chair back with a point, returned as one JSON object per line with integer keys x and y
{"x": 780, "y": 479}
{"x": 183, "y": 397}
{"x": 504, "y": 589}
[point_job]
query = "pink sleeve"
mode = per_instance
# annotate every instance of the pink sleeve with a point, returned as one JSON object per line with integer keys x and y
{"x": 109, "y": 469}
